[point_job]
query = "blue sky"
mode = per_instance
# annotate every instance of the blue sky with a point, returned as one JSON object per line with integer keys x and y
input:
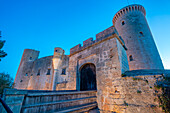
{"x": 45, "y": 24}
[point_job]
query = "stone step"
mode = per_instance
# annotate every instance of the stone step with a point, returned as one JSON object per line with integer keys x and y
{"x": 58, "y": 102}
{"x": 80, "y": 108}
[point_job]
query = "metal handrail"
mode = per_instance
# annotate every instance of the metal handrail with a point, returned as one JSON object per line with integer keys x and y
{"x": 8, "y": 110}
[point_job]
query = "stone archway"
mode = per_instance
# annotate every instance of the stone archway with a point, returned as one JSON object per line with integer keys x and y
{"x": 88, "y": 77}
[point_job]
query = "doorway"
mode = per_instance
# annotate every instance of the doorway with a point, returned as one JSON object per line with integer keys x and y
{"x": 88, "y": 77}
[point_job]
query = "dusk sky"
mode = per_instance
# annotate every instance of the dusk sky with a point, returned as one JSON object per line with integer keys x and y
{"x": 45, "y": 24}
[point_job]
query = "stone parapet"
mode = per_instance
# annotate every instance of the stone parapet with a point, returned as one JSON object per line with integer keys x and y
{"x": 99, "y": 37}
{"x": 130, "y": 8}
{"x": 143, "y": 72}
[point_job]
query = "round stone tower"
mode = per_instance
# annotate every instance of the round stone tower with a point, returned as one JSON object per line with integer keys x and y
{"x": 57, "y": 60}
{"x": 132, "y": 26}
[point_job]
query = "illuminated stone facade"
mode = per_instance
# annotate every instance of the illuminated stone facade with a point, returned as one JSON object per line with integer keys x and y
{"x": 128, "y": 45}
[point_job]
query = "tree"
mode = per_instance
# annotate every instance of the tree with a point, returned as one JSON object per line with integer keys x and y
{"x": 2, "y": 53}
{"x": 6, "y": 81}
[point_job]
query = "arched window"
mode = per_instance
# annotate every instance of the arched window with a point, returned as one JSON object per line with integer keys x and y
{"x": 30, "y": 58}
{"x": 48, "y": 71}
{"x": 130, "y": 58}
{"x": 123, "y": 23}
{"x": 141, "y": 33}
{"x": 63, "y": 71}
{"x": 38, "y": 72}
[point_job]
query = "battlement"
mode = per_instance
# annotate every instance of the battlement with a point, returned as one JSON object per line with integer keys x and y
{"x": 130, "y": 8}
{"x": 99, "y": 37}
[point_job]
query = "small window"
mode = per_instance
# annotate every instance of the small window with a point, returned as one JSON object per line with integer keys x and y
{"x": 26, "y": 74}
{"x": 48, "y": 71}
{"x": 123, "y": 23}
{"x": 63, "y": 71}
{"x": 56, "y": 50}
{"x": 31, "y": 74}
{"x": 130, "y": 58}
{"x": 21, "y": 81}
{"x": 38, "y": 72}
{"x": 141, "y": 33}
{"x": 30, "y": 58}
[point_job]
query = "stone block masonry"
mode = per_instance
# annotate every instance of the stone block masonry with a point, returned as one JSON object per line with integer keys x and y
{"x": 132, "y": 94}
{"x": 132, "y": 26}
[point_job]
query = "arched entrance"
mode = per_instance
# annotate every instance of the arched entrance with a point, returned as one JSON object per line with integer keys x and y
{"x": 88, "y": 77}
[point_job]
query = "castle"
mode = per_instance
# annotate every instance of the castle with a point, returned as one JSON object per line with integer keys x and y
{"x": 127, "y": 45}
{"x": 99, "y": 64}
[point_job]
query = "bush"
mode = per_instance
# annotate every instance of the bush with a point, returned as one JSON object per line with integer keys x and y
{"x": 6, "y": 81}
{"x": 138, "y": 91}
{"x": 123, "y": 75}
{"x": 2, "y": 53}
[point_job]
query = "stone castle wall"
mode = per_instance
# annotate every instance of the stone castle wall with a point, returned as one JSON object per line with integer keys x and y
{"x": 41, "y": 80}
{"x": 132, "y": 94}
{"x": 38, "y": 74}
{"x": 104, "y": 55}
{"x": 34, "y": 75}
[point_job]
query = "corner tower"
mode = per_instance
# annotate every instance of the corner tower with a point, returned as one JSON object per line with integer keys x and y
{"x": 132, "y": 26}
{"x": 25, "y": 68}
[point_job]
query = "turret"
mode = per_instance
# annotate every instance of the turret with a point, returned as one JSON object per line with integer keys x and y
{"x": 132, "y": 26}
{"x": 57, "y": 60}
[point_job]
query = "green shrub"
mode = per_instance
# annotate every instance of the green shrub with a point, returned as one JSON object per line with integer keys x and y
{"x": 6, "y": 81}
{"x": 137, "y": 78}
{"x": 126, "y": 104}
{"x": 138, "y": 91}
{"x": 123, "y": 75}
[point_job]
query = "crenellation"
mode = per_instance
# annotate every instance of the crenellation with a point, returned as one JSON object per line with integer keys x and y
{"x": 128, "y": 9}
{"x": 88, "y": 42}
{"x": 75, "y": 48}
{"x": 99, "y": 37}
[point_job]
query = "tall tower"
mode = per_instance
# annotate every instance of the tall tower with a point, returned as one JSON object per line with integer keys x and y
{"x": 25, "y": 68}
{"x": 132, "y": 26}
{"x": 57, "y": 60}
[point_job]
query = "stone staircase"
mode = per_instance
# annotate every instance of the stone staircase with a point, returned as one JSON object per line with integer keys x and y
{"x": 78, "y": 109}
{"x": 51, "y": 102}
